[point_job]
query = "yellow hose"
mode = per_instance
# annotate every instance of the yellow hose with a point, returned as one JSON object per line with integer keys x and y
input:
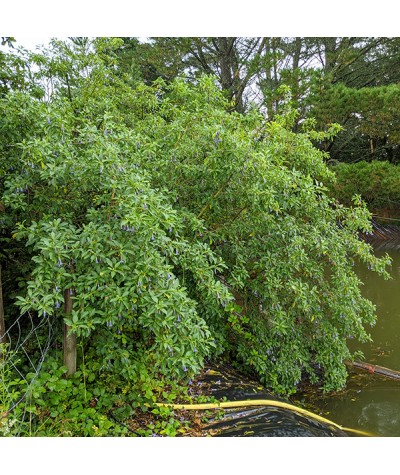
{"x": 261, "y": 402}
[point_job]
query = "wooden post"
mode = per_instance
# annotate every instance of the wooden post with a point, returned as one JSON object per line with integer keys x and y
{"x": 2, "y": 323}
{"x": 69, "y": 339}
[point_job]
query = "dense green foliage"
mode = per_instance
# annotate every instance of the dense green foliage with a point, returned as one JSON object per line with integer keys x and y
{"x": 370, "y": 119}
{"x": 98, "y": 227}
{"x": 180, "y": 230}
{"x": 378, "y": 184}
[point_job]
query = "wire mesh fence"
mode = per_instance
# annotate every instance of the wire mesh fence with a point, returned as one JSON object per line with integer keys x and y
{"x": 25, "y": 345}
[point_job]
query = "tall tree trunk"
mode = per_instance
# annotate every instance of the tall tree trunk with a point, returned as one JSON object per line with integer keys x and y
{"x": 2, "y": 323}
{"x": 296, "y": 78}
{"x": 69, "y": 339}
{"x": 224, "y": 45}
{"x": 268, "y": 100}
{"x": 297, "y": 52}
{"x": 329, "y": 53}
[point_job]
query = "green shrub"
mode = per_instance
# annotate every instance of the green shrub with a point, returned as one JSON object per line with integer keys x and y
{"x": 181, "y": 230}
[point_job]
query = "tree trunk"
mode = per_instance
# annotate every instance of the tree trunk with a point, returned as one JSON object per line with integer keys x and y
{"x": 329, "y": 53}
{"x": 296, "y": 79}
{"x": 69, "y": 339}
{"x": 297, "y": 52}
{"x": 2, "y": 323}
{"x": 268, "y": 76}
{"x": 225, "y": 65}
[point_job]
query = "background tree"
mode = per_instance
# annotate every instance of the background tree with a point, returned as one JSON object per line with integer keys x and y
{"x": 358, "y": 89}
{"x": 233, "y": 61}
{"x": 333, "y": 79}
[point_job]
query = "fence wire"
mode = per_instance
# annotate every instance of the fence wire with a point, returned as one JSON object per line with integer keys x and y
{"x": 25, "y": 346}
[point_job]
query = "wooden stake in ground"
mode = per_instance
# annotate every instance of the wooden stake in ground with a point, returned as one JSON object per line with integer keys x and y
{"x": 69, "y": 339}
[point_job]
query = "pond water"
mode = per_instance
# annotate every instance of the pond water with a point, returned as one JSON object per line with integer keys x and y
{"x": 371, "y": 402}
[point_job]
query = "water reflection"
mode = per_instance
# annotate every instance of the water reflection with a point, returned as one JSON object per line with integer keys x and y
{"x": 384, "y": 415}
{"x": 386, "y": 296}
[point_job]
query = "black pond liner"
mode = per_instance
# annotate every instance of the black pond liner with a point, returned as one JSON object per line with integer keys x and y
{"x": 383, "y": 236}
{"x": 261, "y": 421}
